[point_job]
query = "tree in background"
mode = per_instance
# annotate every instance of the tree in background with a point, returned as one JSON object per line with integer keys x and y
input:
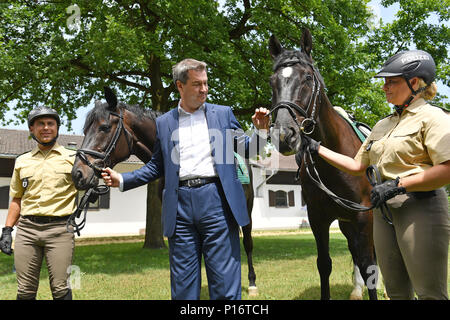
{"x": 61, "y": 55}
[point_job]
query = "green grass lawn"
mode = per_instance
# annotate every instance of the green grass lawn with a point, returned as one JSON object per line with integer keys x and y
{"x": 285, "y": 266}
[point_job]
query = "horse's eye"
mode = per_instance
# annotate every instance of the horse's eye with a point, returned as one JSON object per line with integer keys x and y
{"x": 104, "y": 128}
{"x": 309, "y": 77}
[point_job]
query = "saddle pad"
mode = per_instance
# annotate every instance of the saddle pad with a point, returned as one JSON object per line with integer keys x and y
{"x": 241, "y": 169}
{"x": 362, "y": 130}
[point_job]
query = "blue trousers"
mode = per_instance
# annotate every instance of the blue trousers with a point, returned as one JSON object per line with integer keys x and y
{"x": 205, "y": 227}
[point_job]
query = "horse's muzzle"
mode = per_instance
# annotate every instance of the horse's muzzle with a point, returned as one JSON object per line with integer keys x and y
{"x": 284, "y": 139}
{"x": 84, "y": 180}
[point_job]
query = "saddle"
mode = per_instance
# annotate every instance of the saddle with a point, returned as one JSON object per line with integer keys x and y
{"x": 361, "y": 129}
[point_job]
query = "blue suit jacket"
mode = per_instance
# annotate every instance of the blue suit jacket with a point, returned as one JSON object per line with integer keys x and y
{"x": 225, "y": 135}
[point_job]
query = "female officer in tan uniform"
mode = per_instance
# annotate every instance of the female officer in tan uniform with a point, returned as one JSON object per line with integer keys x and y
{"x": 411, "y": 149}
{"x": 43, "y": 197}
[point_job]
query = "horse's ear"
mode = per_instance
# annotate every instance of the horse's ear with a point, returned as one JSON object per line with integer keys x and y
{"x": 306, "y": 42}
{"x": 110, "y": 98}
{"x": 275, "y": 47}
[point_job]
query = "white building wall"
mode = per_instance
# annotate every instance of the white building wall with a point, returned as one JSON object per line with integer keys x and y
{"x": 126, "y": 216}
{"x": 266, "y": 217}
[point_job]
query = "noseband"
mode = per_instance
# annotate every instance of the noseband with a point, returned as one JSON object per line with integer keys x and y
{"x": 105, "y": 156}
{"x": 308, "y": 124}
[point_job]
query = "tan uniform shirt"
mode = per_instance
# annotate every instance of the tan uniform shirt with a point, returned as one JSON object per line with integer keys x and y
{"x": 44, "y": 182}
{"x": 408, "y": 144}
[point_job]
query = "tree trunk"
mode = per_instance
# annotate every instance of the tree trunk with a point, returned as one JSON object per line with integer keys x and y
{"x": 153, "y": 230}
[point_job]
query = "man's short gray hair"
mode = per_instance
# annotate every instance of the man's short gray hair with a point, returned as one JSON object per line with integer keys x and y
{"x": 180, "y": 70}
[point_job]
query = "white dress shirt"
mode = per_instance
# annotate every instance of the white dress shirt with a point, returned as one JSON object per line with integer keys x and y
{"x": 196, "y": 160}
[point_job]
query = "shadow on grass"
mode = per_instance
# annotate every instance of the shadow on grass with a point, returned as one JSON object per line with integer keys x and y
{"x": 337, "y": 292}
{"x": 294, "y": 247}
{"x": 116, "y": 258}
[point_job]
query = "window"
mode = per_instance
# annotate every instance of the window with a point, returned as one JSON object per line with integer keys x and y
{"x": 101, "y": 203}
{"x": 281, "y": 199}
{"x": 4, "y": 197}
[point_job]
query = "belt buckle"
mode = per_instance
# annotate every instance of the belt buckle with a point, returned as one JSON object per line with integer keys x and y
{"x": 194, "y": 182}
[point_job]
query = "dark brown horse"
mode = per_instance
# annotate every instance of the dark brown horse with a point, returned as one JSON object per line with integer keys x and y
{"x": 298, "y": 93}
{"x": 115, "y": 130}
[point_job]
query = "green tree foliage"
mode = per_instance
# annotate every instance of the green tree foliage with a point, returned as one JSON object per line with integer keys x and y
{"x": 132, "y": 46}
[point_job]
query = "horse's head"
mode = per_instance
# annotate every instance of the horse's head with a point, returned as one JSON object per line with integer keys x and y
{"x": 295, "y": 87}
{"x": 106, "y": 142}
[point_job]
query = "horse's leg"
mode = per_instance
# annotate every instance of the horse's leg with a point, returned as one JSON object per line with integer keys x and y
{"x": 358, "y": 284}
{"x": 321, "y": 231}
{"x": 361, "y": 248}
{"x": 248, "y": 246}
{"x": 247, "y": 237}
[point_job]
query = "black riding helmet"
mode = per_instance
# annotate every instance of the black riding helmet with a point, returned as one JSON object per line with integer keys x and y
{"x": 43, "y": 112}
{"x": 410, "y": 64}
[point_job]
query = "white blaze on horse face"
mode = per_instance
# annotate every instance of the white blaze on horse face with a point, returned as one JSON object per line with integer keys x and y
{"x": 286, "y": 72}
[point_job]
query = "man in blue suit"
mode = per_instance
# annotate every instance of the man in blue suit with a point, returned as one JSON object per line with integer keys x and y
{"x": 203, "y": 200}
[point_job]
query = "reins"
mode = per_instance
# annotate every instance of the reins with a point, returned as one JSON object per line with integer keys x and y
{"x": 90, "y": 196}
{"x": 374, "y": 177}
{"x": 345, "y": 203}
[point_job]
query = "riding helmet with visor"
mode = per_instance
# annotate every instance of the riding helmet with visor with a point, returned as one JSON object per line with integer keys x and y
{"x": 410, "y": 64}
{"x": 43, "y": 112}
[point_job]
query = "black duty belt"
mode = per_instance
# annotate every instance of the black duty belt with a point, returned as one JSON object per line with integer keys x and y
{"x": 198, "y": 182}
{"x": 45, "y": 219}
{"x": 422, "y": 194}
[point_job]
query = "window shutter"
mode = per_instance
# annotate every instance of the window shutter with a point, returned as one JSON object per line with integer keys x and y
{"x": 271, "y": 198}
{"x": 104, "y": 200}
{"x": 4, "y": 197}
{"x": 291, "y": 199}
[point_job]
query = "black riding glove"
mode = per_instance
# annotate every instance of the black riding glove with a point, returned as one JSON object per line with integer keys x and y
{"x": 307, "y": 142}
{"x": 385, "y": 191}
{"x": 311, "y": 143}
{"x": 6, "y": 240}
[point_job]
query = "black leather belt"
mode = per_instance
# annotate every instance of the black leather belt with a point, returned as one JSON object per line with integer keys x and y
{"x": 45, "y": 219}
{"x": 197, "y": 182}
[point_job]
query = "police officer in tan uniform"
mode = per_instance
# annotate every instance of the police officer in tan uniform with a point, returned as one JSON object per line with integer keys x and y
{"x": 43, "y": 197}
{"x": 411, "y": 149}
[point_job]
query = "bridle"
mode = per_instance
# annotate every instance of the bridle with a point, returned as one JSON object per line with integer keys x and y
{"x": 93, "y": 193}
{"x": 306, "y": 127}
{"x": 308, "y": 124}
{"x": 106, "y": 155}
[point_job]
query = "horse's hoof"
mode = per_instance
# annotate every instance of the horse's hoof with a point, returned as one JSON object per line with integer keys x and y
{"x": 252, "y": 291}
{"x": 356, "y": 295}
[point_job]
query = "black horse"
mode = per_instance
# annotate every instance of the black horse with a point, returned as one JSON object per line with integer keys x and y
{"x": 115, "y": 130}
{"x": 300, "y": 104}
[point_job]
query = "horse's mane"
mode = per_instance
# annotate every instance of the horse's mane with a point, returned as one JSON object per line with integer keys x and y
{"x": 296, "y": 56}
{"x": 100, "y": 111}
